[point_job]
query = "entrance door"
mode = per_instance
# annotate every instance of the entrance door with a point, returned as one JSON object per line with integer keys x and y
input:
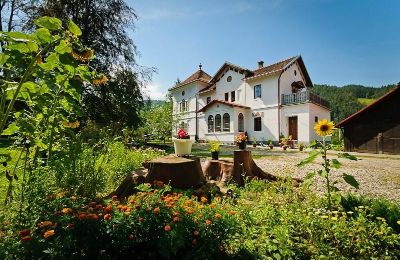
{"x": 293, "y": 127}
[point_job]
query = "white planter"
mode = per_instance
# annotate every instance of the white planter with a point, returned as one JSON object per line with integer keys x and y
{"x": 182, "y": 146}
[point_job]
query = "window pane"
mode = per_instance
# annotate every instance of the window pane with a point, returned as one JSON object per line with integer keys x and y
{"x": 226, "y": 96}
{"x": 226, "y": 123}
{"x": 257, "y": 124}
{"x": 257, "y": 91}
{"x": 210, "y": 124}
{"x": 240, "y": 123}
{"x": 233, "y": 96}
{"x": 218, "y": 123}
{"x": 208, "y": 100}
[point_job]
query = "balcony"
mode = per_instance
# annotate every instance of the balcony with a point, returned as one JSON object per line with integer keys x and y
{"x": 304, "y": 97}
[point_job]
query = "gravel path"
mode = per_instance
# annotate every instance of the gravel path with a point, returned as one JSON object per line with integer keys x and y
{"x": 377, "y": 176}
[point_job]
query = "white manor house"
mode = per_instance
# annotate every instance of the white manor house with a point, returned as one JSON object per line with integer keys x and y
{"x": 266, "y": 102}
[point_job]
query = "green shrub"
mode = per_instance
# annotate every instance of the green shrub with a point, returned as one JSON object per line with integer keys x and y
{"x": 151, "y": 224}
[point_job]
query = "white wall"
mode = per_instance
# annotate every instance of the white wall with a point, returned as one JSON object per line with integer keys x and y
{"x": 303, "y": 121}
{"x": 237, "y": 85}
{"x": 269, "y": 125}
{"x": 321, "y": 113}
{"x": 288, "y": 78}
{"x": 269, "y": 92}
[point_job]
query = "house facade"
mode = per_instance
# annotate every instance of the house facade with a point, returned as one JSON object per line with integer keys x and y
{"x": 266, "y": 102}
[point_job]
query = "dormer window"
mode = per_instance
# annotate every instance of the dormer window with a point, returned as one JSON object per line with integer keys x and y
{"x": 229, "y": 78}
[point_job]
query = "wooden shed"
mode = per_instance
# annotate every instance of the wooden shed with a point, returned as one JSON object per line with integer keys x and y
{"x": 375, "y": 128}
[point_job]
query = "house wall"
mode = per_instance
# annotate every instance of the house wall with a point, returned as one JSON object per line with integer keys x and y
{"x": 269, "y": 92}
{"x": 321, "y": 113}
{"x": 303, "y": 121}
{"x": 221, "y": 109}
{"x": 288, "y": 77}
{"x": 237, "y": 85}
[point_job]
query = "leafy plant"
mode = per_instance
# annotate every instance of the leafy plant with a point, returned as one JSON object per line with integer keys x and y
{"x": 214, "y": 145}
{"x": 325, "y": 128}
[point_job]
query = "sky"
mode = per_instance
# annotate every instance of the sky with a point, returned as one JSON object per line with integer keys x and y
{"x": 341, "y": 41}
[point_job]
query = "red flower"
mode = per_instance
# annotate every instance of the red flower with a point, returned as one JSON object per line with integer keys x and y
{"x": 182, "y": 134}
{"x": 167, "y": 228}
{"x": 24, "y": 233}
{"x": 108, "y": 209}
{"x": 107, "y": 217}
{"x": 26, "y": 239}
{"x": 208, "y": 222}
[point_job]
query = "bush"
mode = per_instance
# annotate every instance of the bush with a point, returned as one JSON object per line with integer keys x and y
{"x": 152, "y": 224}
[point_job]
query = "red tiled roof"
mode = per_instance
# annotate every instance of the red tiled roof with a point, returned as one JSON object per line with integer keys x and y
{"x": 365, "y": 109}
{"x": 198, "y": 75}
{"x": 211, "y": 86}
{"x": 273, "y": 67}
{"x": 222, "y": 102}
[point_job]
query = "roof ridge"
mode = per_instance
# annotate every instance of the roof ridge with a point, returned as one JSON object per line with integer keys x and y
{"x": 270, "y": 65}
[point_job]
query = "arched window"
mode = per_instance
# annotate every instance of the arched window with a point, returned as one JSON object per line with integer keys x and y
{"x": 226, "y": 126}
{"x": 218, "y": 123}
{"x": 210, "y": 124}
{"x": 240, "y": 123}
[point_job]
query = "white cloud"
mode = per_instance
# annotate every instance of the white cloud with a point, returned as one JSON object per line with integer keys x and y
{"x": 154, "y": 91}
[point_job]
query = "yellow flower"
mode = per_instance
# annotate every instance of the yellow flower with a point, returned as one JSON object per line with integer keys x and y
{"x": 100, "y": 81}
{"x": 324, "y": 127}
{"x": 398, "y": 222}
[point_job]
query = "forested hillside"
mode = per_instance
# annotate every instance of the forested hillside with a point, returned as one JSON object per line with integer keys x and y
{"x": 348, "y": 99}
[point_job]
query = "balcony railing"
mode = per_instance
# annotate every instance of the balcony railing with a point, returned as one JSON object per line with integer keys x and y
{"x": 304, "y": 97}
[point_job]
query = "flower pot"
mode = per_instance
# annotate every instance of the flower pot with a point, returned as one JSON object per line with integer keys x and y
{"x": 301, "y": 148}
{"x": 214, "y": 155}
{"x": 271, "y": 147}
{"x": 254, "y": 145}
{"x": 242, "y": 145}
{"x": 183, "y": 146}
{"x": 284, "y": 147}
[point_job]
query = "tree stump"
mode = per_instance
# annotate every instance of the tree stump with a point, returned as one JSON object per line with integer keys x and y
{"x": 218, "y": 170}
{"x": 179, "y": 172}
{"x": 127, "y": 187}
{"x": 242, "y": 166}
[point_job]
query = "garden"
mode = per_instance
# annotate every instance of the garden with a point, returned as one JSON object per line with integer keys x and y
{"x": 58, "y": 171}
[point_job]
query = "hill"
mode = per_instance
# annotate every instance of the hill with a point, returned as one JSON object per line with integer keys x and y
{"x": 348, "y": 99}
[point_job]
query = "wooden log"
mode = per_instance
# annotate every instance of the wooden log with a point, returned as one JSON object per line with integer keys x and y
{"x": 179, "y": 172}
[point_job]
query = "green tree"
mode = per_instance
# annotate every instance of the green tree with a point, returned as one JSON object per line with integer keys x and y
{"x": 159, "y": 121}
{"x": 105, "y": 25}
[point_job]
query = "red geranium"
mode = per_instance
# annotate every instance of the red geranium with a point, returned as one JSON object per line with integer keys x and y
{"x": 182, "y": 134}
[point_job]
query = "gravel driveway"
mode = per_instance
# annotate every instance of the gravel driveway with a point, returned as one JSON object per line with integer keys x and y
{"x": 377, "y": 176}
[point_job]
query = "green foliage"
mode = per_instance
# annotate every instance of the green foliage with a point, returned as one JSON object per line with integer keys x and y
{"x": 214, "y": 145}
{"x": 345, "y": 100}
{"x": 325, "y": 172}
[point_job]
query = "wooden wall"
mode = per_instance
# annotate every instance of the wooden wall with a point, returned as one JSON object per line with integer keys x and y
{"x": 376, "y": 130}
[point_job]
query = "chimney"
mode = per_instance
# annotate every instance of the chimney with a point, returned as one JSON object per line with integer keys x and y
{"x": 260, "y": 64}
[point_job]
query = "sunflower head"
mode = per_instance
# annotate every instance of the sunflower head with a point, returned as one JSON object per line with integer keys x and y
{"x": 324, "y": 127}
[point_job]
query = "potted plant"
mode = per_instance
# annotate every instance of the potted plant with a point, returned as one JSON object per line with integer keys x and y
{"x": 284, "y": 143}
{"x": 214, "y": 149}
{"x": 301, "y": 146}
{"x": 241, "y": 140}
{"x": 254, "y": 141}
{"x": 290, "y": 142}
{"x": 271, "y": 146}
{"x": 182, "y": 143}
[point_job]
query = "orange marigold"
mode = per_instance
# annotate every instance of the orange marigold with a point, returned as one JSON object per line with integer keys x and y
{"x": 45, "y": 224}
{"x": 232, "y": 212}
{"x": 208, "y": 222}
{"x": 156, "y": 210}
{"x": 167, "y": 228}
{"x": 67, "y": 210}
{"x": 107, "y": 217}
{"x": 108, "y": 209}
{"x": 82, "y": 216}
{"x": 49, "y": 233}
{"x": 218, "y": 216}
{"x": 203, "y": 199}
{"x": 176, "y": 219}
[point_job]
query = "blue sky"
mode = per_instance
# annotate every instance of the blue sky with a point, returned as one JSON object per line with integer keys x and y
{"x": 341, "y": 41}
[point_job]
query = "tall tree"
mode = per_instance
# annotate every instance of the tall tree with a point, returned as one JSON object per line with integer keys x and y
{"x": 105, "y": 25}
{"x": 11, "y": 14}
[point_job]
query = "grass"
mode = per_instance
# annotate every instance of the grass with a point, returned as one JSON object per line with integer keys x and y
{"x": 366, "y": 101}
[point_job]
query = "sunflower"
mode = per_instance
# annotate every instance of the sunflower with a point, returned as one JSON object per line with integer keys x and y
{"x": 324, "y": 127}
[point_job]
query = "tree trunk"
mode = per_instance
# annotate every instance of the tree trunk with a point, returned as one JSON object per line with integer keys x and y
{"x": 218, "y": 170}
